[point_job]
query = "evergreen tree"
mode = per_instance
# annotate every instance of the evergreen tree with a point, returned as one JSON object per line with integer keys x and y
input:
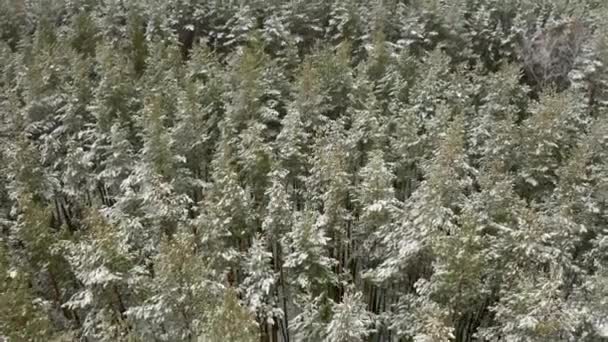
{"x": 231, "y": 322}
{"x": 259, "y": 286}
{"x": 350, "y": 320}
{"x": 176, "y": 303}
{"x": 24, "y": 316}
{"x": 101, "y": 262}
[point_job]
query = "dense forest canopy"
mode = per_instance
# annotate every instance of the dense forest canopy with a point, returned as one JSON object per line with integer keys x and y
{"x": 304, "y": 170}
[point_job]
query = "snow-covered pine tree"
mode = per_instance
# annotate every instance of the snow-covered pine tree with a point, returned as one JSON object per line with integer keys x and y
{"x": 351, "y": 321}
{"x": 259, "y": 288}
{"x": 182, "y": 297}
{"x": 230, "y": 321}
{"x": 100, "y": 259}
{"x": 23, "y": 315}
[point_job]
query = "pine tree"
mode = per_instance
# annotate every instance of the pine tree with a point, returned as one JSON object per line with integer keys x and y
{"x": 226, "y": 215}
{"x": 548, "y": 135}
{"x": 278, "y": 220}
{"x": 177, "y": 300}
{"x": 113, "y": 136}
{"x": 306, "y": 257}
{"x": 196, "y": 128}
{"x": 230, "y": 322}
{"x": 252, "y": 115}
{"x": 457, "y": 283}
{"x": 101, "y": 262}
{"x": 23, "y": 315}
{"x": 350, "y": 321}
{"x": 379, "y": 212}
{"x": 292, "y": 152}
{"x": 311, "y": 323}
{"x": 259, "y": 286}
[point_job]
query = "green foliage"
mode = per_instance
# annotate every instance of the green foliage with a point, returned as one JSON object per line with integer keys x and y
{"x": 339, "y": 170}
{"x": 22, "y": 315}
{"x": 231, "y": 322}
